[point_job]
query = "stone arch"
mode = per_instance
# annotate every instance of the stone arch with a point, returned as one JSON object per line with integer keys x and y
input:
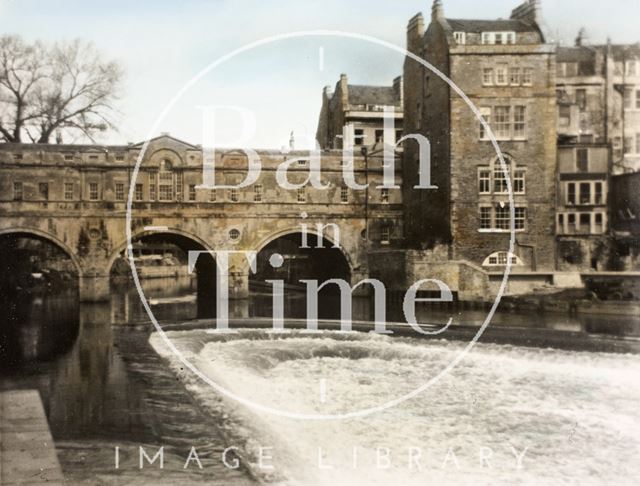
{"x": 205, "y": 267}
{"x": 311, "y": 232}
{"x": 140, "y": 234}
{"x": 52, "y": 239}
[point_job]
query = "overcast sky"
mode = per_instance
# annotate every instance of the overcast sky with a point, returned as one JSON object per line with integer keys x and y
{"x": 162, "y": 44}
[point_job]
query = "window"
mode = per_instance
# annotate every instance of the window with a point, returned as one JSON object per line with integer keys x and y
{"x": 257, "y": 193}
{"x": 302, "y": 195}
{"x": 358, "y": 134}
{"x": 460, "y": 37}
{"x": 384, "y": 196}
{"x": 500, "y": 185}
{"x": 502, "y": 216}
{"x": 484, "y": 181}
{"x": 68, "y": 191}
{"x": 43, "y": 190}
{"x": 192, "y": 192}
{"x": 520, "y": 218}
{"x": 584, "y": 223}
{"x": 119, "y": 157}
{"x": 582, "y": 160}
{"x": 485, "y": 218}
{"x": 17, "y": 156}
{"x": 165, "y": 182}
{"x": 179, "y": 185}
{"x": 527, "y": 76}
{"x": 486, "y": 114}
{"x": 519, "y": 122}
{"x": 344, "y": 194}
{"x": 501, "y": 75}
{"x": 571, "y": 193}
{"x": 628, "y": 145}
{"x": 502, "y": 122}
{"x": 501, "y": 258}
{"x": 617, "y": 147}
{"x": 638, "y": 99}
{"x": 597, "y": 192}
{"x": 514, "y": 76}
{"x": 631, "y": 68}
{"x": 68, "y": 156}
{"x": 93, "y": 157}
{"x": 234, "y": 234}
{"x": 385, "y": 234}
{"x": 212, "y": 195}
{"x": 153, "y": 186}
{"x": 302, "y": 162}
{"x": 498, "y": 218}
{"x": 18, "y": 193}
{"x": 565, "y": 116}
{"x": 487, "y": 76}
{"x": 585, "y": 193}
{"x": 627, "y": 98}
{"x": 233, "y": 195}
{"x": 571, "y": 220}
{"x": 560, "y": 227}
{"x": 379, "y": 136}
{"x": 581, "y": 99}
{"x": 119, "y": 191}
{"x": 519, "y": 181}
{"x": 598, "y": 223}
{"x": 498, "y": 38}
{"x": 138, "y": 192}
{"x": 93, "y": 191}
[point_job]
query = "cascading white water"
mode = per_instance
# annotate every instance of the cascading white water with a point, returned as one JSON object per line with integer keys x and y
{"x": 567, "y": 416}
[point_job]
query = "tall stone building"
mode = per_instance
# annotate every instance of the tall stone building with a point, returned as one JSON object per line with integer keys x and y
{"x": 599, "y": 99}
{"x": 361, "y": 110}
{"x": 507, "y": 70}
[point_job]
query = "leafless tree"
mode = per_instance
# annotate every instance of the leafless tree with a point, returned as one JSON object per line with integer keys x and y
{"x": 65, "y": 88}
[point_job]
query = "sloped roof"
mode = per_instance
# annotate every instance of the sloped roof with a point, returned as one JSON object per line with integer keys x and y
{"x": 583, "y": 55}
{"x": 372, "y": 95}
{"x": 500, "y": 25}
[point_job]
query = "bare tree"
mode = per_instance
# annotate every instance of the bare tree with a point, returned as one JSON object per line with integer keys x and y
{"x": 45, "y": 91}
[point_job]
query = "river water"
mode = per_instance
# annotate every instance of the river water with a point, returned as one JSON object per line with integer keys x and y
{"x": 105, "y": 386}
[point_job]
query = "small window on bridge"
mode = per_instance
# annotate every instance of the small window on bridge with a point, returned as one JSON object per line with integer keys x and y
{"x": 93, "y": 191}
{"x": 68, "y": 191}
{"x": 18, "y": 192}
{"x": 257, "y": 193}
{"x": 233, "y": 195}
{"x": 302, "y": 195}
{"x": 344, "y": 194}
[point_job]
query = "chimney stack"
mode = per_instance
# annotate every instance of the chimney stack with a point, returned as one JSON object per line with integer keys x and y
{"x": 582, "y": 39}
{"x": 437, "y": 11}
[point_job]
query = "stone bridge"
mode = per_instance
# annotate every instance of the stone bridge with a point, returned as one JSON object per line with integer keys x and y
{"x": 75, "y": 197}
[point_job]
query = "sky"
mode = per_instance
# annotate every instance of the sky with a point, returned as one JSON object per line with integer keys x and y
{"x": 163, "y": 45}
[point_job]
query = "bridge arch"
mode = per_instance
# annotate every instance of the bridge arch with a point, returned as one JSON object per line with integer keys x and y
{"x": 149, "y": 232}
{"x": 312, "y": 234}
{"x": 51, "y": 239}
{"x": 205, "y": 269}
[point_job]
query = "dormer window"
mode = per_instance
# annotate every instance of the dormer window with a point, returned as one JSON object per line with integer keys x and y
{"x": 460, "y": 37}
{"x": 498, "y": 38}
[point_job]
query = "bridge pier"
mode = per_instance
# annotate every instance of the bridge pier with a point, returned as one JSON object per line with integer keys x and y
{"x": 94, "y": 288}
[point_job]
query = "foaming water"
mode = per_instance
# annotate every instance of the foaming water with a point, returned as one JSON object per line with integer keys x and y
{"x": 504, "y": 415}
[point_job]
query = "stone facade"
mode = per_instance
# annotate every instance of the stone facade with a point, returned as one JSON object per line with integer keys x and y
{"x": 360, "y": 109}
{"x": 507, "y": 71}
{"x": 76, "y": 196}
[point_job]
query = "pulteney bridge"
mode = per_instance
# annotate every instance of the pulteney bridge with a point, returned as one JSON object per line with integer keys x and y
{"x": 75, "y": 197}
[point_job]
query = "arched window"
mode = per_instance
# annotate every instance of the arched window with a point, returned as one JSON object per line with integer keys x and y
{"x": 165, "y": 181}
{"x": 492, "y": 179}
{"x": 500, "y": 259}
